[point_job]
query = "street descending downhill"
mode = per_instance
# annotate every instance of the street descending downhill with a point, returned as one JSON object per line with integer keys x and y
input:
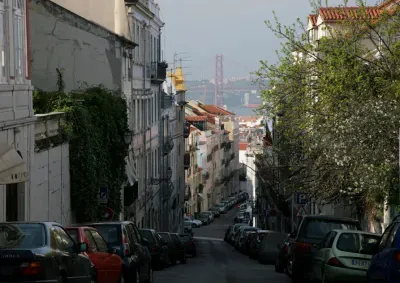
{"x": 219, "y": 262}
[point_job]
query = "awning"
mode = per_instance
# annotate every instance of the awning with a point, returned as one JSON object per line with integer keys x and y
{"x": 12, "y": 166}
{"x": 202, "y": 196}
{"x": 189, "y": 203}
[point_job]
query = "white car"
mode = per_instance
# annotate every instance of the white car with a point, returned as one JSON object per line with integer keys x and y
{"x": 195, "y": 223}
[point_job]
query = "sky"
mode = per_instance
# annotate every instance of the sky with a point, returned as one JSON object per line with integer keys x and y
{"x": 235, "y": 28}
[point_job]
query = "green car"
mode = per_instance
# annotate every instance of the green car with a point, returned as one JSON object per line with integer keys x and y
{"x": 344, "y": 255}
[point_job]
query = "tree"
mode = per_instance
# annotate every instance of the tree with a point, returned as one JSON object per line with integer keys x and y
{"x": 339, "y": 107}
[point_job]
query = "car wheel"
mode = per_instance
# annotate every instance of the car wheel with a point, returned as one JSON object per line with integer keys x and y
{"x": 278, "y": 266}
{"x": 137, "y": 276}
{"x": 289, "y": 267}
{"x": 183, "y": 261}
{"x": 150, "y": 275}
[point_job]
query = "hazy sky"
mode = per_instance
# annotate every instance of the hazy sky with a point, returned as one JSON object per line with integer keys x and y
{"x": 234, "y": 28}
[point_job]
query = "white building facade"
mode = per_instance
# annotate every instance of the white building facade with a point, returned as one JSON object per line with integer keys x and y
{"x": 144, "y": 109}
{"x": 16, "y": 113}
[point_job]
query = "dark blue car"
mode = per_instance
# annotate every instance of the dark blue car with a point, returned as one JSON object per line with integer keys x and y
{"x": 385, "y": 265}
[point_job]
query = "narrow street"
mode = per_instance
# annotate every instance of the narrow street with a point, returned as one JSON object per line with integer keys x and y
{"x": 218, "y": 262}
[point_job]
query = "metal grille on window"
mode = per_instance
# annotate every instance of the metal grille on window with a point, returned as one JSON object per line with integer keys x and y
{"x": 2, "y": 40}
{"x": 18, "y": 37}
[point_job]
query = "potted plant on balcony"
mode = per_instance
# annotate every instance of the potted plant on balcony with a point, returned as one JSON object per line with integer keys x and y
{"x": 163, "y": 64}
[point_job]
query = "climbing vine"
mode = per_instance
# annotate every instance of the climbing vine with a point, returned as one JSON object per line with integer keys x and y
{"x": 96, "y": 122}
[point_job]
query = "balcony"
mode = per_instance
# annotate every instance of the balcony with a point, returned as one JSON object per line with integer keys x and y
{"x": 186, "y": 161}
{"x": 206, "y": 176}
{"x": 186, "y": 130}
{"x": 168, "y": 145}
{"x": 158, "y": 72}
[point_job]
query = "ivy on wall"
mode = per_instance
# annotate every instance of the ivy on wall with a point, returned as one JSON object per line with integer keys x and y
{"x": 96, "y": 122}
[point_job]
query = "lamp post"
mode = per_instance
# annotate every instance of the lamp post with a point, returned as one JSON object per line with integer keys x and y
{"x": 159, "y": 181}
{"x": 128, "y": 137}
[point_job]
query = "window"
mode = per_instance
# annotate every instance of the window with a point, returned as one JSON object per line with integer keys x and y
{"x": 63, "y": 241}
{"x": 3, "y": 72}
{"x": 100, "y": 243}
{"x": 92, "y": 243}
{"x": 18, "y": 38}
{"x": 384, "y": 238}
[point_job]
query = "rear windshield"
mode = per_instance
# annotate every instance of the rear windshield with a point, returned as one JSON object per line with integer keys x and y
{"x": 110, "y": 233}
{"x": 25, "y": 236}
{"x": 236, "y": 227}
{"x": 357, "y": 243}
{"x": 165, "y": 237}
{"x": 148, "y": 235}
{"x": 74, "y": 234}
{"x": 318, "y": 228}
{"x": 185, "y": 238}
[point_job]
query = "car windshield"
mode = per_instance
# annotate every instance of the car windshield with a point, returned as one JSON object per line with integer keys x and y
{"x": 25, "y": 236}
{"x": 187, "y": 223}
{"x": 203, "y": 214}
{"x": 357, "y": 243}
{"x": 318, "y": 228}
{"x": 165, "y": 236}
{"x": 73, "y": 233}
{"x": 220, "y": 205}
{"x": 148, "y": 235}
{"x": 185, "y": 238}
{"x": 110, "y": 233}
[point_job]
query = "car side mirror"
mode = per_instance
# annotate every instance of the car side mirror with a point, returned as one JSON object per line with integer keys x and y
{"x": 112, "y": 250}
{"x": 82, "y": 247}
{"x": 145, "y": 242}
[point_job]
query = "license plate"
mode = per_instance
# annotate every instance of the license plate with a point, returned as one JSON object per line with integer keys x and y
{"x": 7, "y": 270}
{"x": 363, "y": 263}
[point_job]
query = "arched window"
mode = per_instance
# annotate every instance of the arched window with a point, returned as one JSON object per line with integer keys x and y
{"x": 3, "y": 43}
{"x": 19, "y": 41}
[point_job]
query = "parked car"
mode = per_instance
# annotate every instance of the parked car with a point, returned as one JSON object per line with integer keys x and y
{"x": 125, "y": 237}
{"x": 312, "y": 230}
{"x": 195, "y": 222}
{"x": 157, "y": 247}
{"x": 222, "y": 208}
{"x": 205, "y": 218}
{"x": 243, "y": 242}
{"x": 280, "y": 262}
{"x": 107, "y": 264}
{"x": 216, "y": 212}
{"x": 268, "y": 251}
{"x": 344, "y": 255}
{"x": 233, "y": 232}
{"x": 189, "y": 243}
{"x": 42, "y": 252}
{"x": 227, "y": 234}
{"x": 175, "y": 246}
{"x": 187, "y": 227}
{"x": 385, "y": 264}
{"x": 255, "y": 245}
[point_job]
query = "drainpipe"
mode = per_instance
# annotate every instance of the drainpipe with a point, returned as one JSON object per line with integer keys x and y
{"x": 144, "y": 112}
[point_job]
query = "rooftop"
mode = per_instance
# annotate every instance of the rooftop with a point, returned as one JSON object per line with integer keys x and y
{"x": 196, "y": 118}
{"x": 216, "y": 110}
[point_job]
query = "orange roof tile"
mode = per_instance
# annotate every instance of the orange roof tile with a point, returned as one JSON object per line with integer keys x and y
{"x": 193, "y": 128}
{"x": 216, "y": 110}
{"x": 313, "y": 18}
{"x": 243, "y": 146}
{"x": 332, "y": 14}
{"x": 196, "y": 118}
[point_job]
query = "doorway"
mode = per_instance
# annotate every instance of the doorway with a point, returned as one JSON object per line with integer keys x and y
{"x": 12, "y": 202}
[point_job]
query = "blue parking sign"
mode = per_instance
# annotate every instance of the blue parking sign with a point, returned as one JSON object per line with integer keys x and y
{"x": 103, "y": 194}
{"x": 301, "y": 198}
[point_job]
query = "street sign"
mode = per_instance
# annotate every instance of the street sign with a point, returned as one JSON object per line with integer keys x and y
{"x": 301, "y": 198}
{"x": 301, "y": 212}
{"x": 103, "y": 194}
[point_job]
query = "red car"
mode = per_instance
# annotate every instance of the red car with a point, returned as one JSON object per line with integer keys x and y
{"x": 107, "y": 263}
